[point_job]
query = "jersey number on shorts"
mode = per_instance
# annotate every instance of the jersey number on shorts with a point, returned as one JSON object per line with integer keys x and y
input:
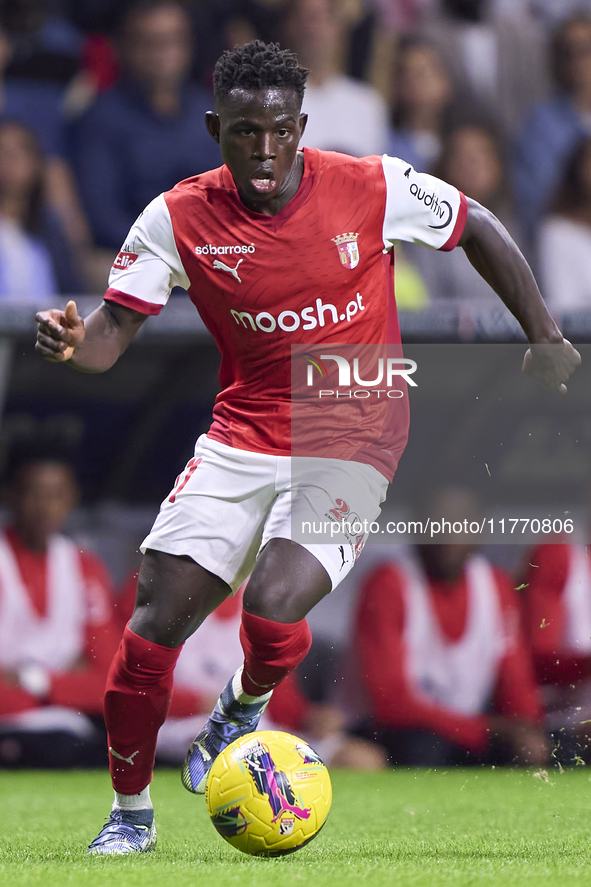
{"x": 184, "y": 477}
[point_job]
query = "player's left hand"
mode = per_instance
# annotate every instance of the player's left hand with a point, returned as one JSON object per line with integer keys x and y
{"x": 59, "y": 332}
{"x": 551, "y": 365}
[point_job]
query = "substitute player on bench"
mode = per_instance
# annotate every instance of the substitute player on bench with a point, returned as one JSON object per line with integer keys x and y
{"x": 261, "y": 246}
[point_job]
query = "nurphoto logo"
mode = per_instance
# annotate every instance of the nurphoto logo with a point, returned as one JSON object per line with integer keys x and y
{"x": 385, "y": 372}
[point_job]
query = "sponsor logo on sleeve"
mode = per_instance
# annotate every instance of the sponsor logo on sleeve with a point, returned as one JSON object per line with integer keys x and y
{"x": 124, "y": 260}
{"x": 440, "y": 208}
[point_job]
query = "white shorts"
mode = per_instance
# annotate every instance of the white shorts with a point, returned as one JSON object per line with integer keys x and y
{"x": 228, "y": 503}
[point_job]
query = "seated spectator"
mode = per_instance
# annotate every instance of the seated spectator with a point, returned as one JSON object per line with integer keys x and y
{"x": 147, "y": 132}
{"x": 46, "y": 45}
{"x": 565, "y": 238}
{"x": 212, "y": 655}
{"x": 37, "y": 67}
{"x": 57, "y": 632}
{"x": 495, "y": 51}
{"x": 437, "y": 639}
{"x": 556, "y": 126}
{"x": 35, "y": 259}
{"x": 557, "y": 621}
{"x": 34, "y": 102}
{"x": 422, "y": 107}
{"x": 473, "y": 160}
{"x": 343, "y": 114}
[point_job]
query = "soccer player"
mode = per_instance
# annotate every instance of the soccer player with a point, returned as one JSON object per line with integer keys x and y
{"x": 277, "y": 247}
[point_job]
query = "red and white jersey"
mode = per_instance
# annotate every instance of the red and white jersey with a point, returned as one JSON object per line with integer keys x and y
{"x": 315, "y": 273}
{"x": 460, "y": 675}
{"x": 577, "y": 602}
{"x": 431, "y": 653}
{"x": 55, "y": 612}
{"x": 55, "y": 640}
{"x": 557, "y": 611}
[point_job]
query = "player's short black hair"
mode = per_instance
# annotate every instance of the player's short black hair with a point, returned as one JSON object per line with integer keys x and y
{"x": 258, "y": 65}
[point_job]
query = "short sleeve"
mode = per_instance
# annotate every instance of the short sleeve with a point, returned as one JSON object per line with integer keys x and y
{"x": 148, "y": 265}
{"x": 421, "y": 208}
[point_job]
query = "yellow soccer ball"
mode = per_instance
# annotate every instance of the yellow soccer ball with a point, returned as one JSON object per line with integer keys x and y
{"x": 268, "y": 793}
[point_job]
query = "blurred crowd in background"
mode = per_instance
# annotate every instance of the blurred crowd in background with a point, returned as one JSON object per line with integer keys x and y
{"x": 448, "y": 659}
{"x": 102, "y": 108}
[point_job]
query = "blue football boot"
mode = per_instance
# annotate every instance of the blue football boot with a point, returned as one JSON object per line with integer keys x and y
{"x": 126, "y": 831}
{"x": 229, "y": 720}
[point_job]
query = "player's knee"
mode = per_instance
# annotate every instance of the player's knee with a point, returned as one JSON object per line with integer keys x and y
{"x": 150, "y": 618}
{"x": 148, "y": 625}
{"x": 273, "y": 601}
{"x": 286, "y": 583}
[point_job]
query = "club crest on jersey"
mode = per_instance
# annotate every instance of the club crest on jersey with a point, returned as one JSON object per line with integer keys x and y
{"x": 348, "y": 250}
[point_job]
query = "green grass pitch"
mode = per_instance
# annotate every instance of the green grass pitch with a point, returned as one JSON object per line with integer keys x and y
{"x": 405, "y": 827}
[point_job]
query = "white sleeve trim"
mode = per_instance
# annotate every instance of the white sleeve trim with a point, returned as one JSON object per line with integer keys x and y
{"x": 419, "y": 208}
{"x": 149, "y": 265}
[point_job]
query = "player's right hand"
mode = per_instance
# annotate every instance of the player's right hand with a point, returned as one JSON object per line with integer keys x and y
{"x": 551, "y": 364}
{"x": 59, "y": 332}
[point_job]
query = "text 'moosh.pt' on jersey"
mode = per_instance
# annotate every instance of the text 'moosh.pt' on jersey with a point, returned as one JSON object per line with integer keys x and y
{"x": 317, "y": 273}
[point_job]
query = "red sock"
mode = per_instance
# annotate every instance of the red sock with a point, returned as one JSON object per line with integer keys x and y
{"x": 271, "y": 651}
{"x": 137, "y": 697}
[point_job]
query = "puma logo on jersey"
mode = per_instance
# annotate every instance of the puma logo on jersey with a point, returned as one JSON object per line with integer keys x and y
{"x": 220, "y": 266}
{"x": 128, "y": 760}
